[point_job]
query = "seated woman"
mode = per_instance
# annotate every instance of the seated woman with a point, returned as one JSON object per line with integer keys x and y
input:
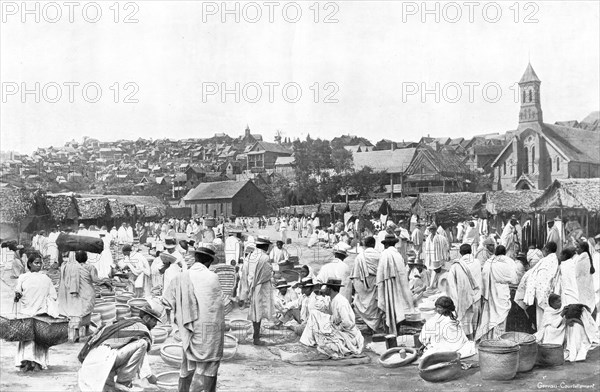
{"x": 552, "y": 329}
{"x": 334, "y": 334}
{"x": 443, "y": 332}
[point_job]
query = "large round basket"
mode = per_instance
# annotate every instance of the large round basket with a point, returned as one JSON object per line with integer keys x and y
{"x": 168, "y": 381}
{"x": 550, "y": 355}
{"x": 230, "y": 346}
{"x": 16, "y": 327}
{"x": 528, "y": 349}
{"x": 136, "y": 303}
{"x": 107, "y": 310}
{"x": 50, "y": 331}
{"x": 392, "y": 358}
{"x": 440, "y": 367}
{"x": 172, "y": 354}
{"x": 498, "y": 359}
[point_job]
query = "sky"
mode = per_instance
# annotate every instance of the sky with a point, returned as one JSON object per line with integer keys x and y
{"x": 378, "y": 69}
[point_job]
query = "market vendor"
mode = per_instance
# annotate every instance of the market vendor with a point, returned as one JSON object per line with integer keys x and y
{"x": 443, "y": 331}
{"x": 118, "y": 350}
{"x": 139, "y": 271}
{"x": 34, "y": 294}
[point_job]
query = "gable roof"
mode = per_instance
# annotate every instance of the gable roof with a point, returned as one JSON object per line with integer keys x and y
{"x": 577, "y": 144}
{"x": 443, "y": 161}
{"x": 392, "y": 161}
{"x": 270, "y": 147}
{"x": 573, "y": 143}
{"x": 215, "y": 190}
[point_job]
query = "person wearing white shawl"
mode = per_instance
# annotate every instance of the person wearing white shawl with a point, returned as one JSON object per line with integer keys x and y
{"x": 104, "y": 264}
{"x": 585, "y": 271}
{"x": 471, "y": 236}
{"x": 533, "y": 256}
{"x": 394, "y": 297}
{"x": 129, "y": 232}
{"x": 464, "y": 288}
{"x": 364, "y": 280}
{"x": 443, "y": 332}
{"x": 511, "y": 237}
{"x": 34, "y": 294}
{"x": 122, "y": 234}
{"x": 538, "y": 283}
{"x": 337, "y": 269}
{"x": 437, "y": 249}
{"x": 567, "y": 282}
{"x": 498, "y": 272}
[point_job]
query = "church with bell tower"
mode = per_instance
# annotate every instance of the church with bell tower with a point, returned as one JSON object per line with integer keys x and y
{"x": 539, "y": 153}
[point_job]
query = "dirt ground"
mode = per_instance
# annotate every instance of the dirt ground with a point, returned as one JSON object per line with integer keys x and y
{"x": 258, "y": 369}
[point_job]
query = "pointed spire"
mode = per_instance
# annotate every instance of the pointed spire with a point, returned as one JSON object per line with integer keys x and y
{"x": 529, "y": 75}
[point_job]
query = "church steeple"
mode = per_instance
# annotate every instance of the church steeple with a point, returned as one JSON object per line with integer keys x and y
{"x": 529, "y": 88}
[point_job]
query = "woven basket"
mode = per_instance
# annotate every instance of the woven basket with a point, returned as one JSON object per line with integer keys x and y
{"x": 498, "y": 359}
{"x": 550, "y": 355}
{"x": 528, "y": 349}
{"x": 16, "y": 328}
{"x": 50, "y": 331}
{"x": 440, "y": 367}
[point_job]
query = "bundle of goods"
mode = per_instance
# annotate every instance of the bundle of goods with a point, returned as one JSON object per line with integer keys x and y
{"x": 73, "y": 243}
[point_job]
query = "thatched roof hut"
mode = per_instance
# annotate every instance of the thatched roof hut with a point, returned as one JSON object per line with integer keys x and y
{"x": 506, "y": 203}
{"x": 402, "y": 205}
{"x": 92, "y": 207}
{"x": 576, "y": 194}
{"x": 446, "y": 208}
{"x": 62, "y": 206}
{"x": 16, "y": 205}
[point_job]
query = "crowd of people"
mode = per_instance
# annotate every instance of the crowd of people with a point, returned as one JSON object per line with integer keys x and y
{"x": 401, "y": 274}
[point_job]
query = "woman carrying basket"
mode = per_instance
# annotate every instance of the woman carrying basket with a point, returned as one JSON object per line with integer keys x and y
{"x": 34, "y": 293}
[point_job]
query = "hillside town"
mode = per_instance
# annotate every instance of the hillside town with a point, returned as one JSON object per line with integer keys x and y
{"x": 236, "y": 263}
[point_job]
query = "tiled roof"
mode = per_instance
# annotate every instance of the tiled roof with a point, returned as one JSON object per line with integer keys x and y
{"x": 215, "y": 190}
{"x": 270, "y": 147}
{"x": 577, "y": 144}
{"x": 392, "y": 161}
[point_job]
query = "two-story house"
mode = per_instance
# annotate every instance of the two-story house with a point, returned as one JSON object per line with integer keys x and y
{"x": 263, "y": 155}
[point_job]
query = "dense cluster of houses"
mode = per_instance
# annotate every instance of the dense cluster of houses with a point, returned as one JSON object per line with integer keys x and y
{"x": 531, "y": 156}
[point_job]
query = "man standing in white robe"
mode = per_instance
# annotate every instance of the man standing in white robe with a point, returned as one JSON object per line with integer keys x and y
{"x": 195, "y": 297}
{"x": 498, "y": 272}
{"x": 511, "y": 237}
{"x": 364, "y": 280}
{"x": 464, "y": 288}
{"x": 394, "y": 297}
{"x": 437, "y": 249}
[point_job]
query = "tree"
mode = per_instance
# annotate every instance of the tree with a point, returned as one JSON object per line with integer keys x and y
{"x": 341, "y": 160}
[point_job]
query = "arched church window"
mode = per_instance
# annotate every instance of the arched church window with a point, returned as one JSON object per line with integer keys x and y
{"x": 524, "y": 97}
{"x": 557, "y": 163}
{"x": 530, "y": 96}
{"x": 504, "y": 168}
{"x": 526, "y": 161}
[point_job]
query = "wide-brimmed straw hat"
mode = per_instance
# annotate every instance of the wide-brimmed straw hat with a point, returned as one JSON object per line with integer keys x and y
{"x": 149, "y": 311}
{"x": 263, "y": 240}
{"x": 170, "y": 243}
{"x": 334, "y": 283}
{"x": 282, "y": 283}
{"x": 205, "y": 251}
{"x": 390, "y": 239}
{"x": 308, "y": 282}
